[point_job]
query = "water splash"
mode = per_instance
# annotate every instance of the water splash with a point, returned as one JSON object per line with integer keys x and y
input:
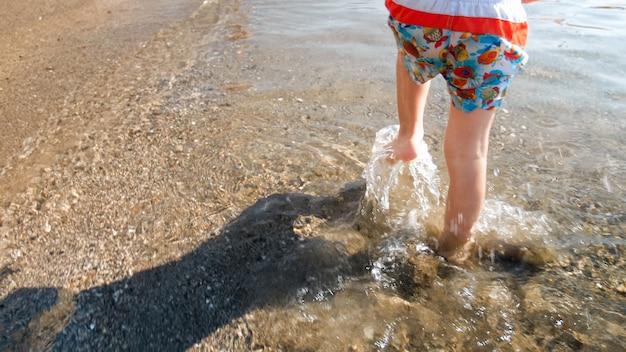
{"x": 403, "y": 202}
{"x": 503, "y": 222}
{"x": 403, "y": 194}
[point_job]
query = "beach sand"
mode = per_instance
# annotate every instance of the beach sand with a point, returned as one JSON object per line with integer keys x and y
{"x": 58, "y": 58}
{"x": 127, "y": 152}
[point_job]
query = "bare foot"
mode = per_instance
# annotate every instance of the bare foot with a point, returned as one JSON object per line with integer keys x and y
{"x": 403, "y": 149}
{"x": 456, "y": 249}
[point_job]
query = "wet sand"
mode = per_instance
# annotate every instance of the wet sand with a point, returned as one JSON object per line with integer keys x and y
{"x": 126, "y": 166}
{"x": 59, "y": 57}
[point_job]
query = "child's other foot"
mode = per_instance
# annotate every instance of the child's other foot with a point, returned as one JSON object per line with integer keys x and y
{"x": 456, "y": 249}
{"x": 403, "y": 149}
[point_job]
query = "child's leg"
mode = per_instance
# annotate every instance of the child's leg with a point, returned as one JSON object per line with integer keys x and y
{"x": 411, "y": 104}
{"x": 465, "y": 148}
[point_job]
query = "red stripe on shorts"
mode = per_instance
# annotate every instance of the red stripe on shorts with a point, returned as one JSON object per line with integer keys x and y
{"x": 515, "y": 32}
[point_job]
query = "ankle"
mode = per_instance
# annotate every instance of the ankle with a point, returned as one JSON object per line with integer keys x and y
{"x": 455, "y": 248}
{"x": 414, "y": 135}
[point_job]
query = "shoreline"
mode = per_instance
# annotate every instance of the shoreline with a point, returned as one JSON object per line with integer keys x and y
{"x": 78, "y": 209}
{"x": 59, "y": 60}
{"x": 148, "y": 165}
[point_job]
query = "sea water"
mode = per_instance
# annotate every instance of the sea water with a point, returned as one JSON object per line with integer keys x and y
{"x": 556, "y": 183}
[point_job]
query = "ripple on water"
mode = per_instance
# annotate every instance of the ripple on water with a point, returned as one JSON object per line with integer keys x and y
{"x": 614, "y": 179}
{"x": 221, "y": 174}
{"x": 356, "y": 109}
{"x": 545, "y": 121}
{"x": 379, "y": 115}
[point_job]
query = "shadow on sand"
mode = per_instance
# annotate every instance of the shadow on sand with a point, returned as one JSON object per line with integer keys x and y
{"x": 257, "y": 260}
{"x": 274, "y": 253}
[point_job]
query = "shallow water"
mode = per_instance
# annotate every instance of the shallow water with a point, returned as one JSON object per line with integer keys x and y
{"x": 556, "y": 188}
{"x": 260, "y": 215}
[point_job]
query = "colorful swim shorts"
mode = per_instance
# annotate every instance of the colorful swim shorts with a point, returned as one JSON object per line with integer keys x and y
{"x": 477, "y": 68}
